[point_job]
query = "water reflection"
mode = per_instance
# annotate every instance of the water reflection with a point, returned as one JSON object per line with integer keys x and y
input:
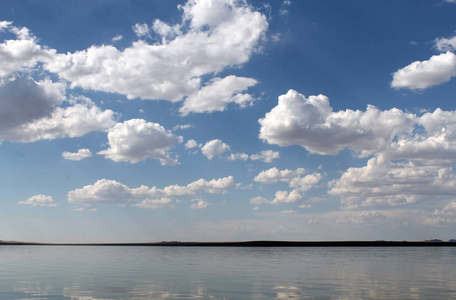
{"x": 226, "y": 273}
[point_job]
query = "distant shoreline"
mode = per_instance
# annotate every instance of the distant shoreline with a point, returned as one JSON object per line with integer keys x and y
{"x": 254, "y": 244}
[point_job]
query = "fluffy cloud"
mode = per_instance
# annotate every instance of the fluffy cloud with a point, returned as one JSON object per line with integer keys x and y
{"x": 190, "y": 144}
{"x": 420, "y": 75}
{"x": 214, "y": 148}
{"x": 29, "y": 112}
{"x": 266, "y": 156}
{"x": 382, "y": 182}
{"x": 218, "y": 94}
{"x": 110, "y": 191}
{"x": 23, "y": 100}
{"x": 238, "y": 156}
{"x": 39, "y": 200}
{"x": 258, "y": 201}
{"x": 81, "y": 154}
{"x": 305, "y": 183}
{"x": 21, "y": 53}
{"x": 274, "y": 175}
{"x": 311, "y": 123}
{"x": 135, "y": 140}
{"x": 284, "y": 197}
{"x": 220, "y": 34}
{"x": 200, "y": 204}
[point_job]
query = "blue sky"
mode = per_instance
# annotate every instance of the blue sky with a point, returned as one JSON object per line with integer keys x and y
{"x": 216, "y": 120}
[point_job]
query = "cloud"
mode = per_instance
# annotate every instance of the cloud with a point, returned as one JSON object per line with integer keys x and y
{"x": 23, "y": 100}
{"x": 420, "y": 75}
{"x": 136, "y": 140}
{"x": 382, "y": 182}
{"x": 214, "y": 35}
{"x": 238, "y": 156}
{"x": 200, "y": 204}
{"x": 445, "y": 44}
{"x": 214, "y": 148}
{"x": 258, "y": 201}
{"x": 117, "y": 38}
{"x": 190, "y": 144}
{"x": 305, "y": 183}
{"x": 311, "y": 123}
{"x": 109, "y": 191}
{"x": 81, "y": 154}
{"x": 141, "y": 30}
{"x": 39, "y": 200}
{"x": 266, "y": 156}
{"x": 21, "y": 53}
{"x": 274, "y": 175}
{"x": 154, "y": 204}
{"x": 216, "y": 95}
{"x": 30, "y": 112}
{"x": 284, "y": 197}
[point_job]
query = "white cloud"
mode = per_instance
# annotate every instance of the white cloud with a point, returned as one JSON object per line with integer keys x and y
{"x": 274, "y": 175}
{"x": 216, "y": 95}
{"x": 420, "y": 75}
{"x": 258, "y": 201}
{"x": 284, "y": 197}
{"x": 305, "y": 183}
{"x": 311, "y": 123}
{"x": 117, "y": 38}
{"x": 200, "y": 204}
{"x": 81, "y": 154}
{"x": 21, "y": 53}
{"x": 135, "y": 140}
{"x": 141, "y": 30}
{"x": 222, "y": 34}
{"x": 238, "y": 156}
{"x": 110, "y": 191}
{"x": 190, "y": 144}
{"x": 154, "y": 204}
{"x": 39, "y": 200}
{"x": 382, "y": 182}
{"x": 266, "y": 156}
{"x": 446, "y": 44}
{"x": 214, "y": 148}
{"x": 181, "y": 127}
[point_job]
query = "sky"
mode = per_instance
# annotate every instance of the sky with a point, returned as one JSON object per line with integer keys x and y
{"x": 227, "y": 120}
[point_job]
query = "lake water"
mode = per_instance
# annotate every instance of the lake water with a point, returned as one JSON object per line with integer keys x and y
{"x": 80, "y": 272}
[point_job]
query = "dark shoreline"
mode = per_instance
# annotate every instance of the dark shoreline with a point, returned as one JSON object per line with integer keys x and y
{"x": 255, "y": 244}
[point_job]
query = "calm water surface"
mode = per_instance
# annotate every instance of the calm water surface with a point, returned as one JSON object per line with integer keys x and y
{"x": 80, "y": 272}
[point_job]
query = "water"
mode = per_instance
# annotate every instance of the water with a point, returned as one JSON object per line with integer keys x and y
{"x": 80, "y": 272}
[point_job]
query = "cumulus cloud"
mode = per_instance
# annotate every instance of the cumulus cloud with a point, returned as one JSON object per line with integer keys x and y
{"x": 274, "y": 175}
{"x": 266, "y": 156}
{"x": 21, "y": 53}
{"x": 23, "y": 100}
{"x": 382, "y": 182}
{"x": 39, "y": 200}
{"x": 305, "y": 183}
{"x": 190, "y": 144}
{"x": 30, "y": 112}
{"x": 213, "y": 35}
{"x": 214, "y": 148}
{"x": 285, "y": 197}
{"x": 420, "y": 75}
{"x": 216, "y": 95}
{"x": 200, "y": 204}
{"x": 135, "y": 140}
{"x": 312, "y": 124}
{"x": 80, "y": 155}
{"x": 110, "y": 191}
